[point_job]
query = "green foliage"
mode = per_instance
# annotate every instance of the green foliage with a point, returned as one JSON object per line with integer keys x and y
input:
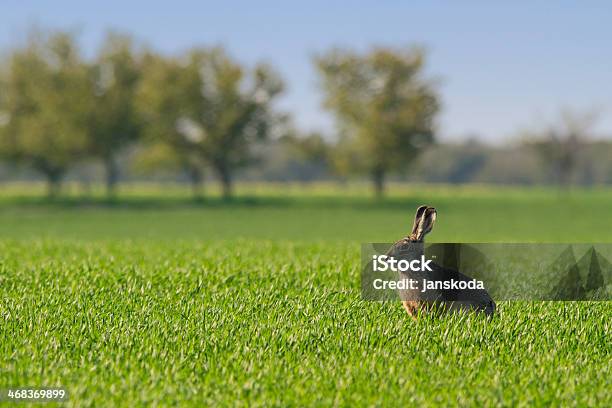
{"x": 114, "y": 121}
{"x": 60, "y": 109}
{"x": 297, "y": 156}
{"x": 57, "y": 109}
{"x": 153, "y": 157}
{"x": 561, "y": 144}
{"x": 209, "y": 108}
{"x": 46, "y": 104}
{"x": 311, "y": 146}
{"x": 385, "y": 108}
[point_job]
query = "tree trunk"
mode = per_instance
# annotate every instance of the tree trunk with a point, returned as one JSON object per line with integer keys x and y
{"x": 196, "y": 176}
{"x": 378, "y": 178}
{"x": 226, "y": 185}
{"x": 112, "y": 175}
{"x": 54, "y": 182}
{"x": 225, "y": 177}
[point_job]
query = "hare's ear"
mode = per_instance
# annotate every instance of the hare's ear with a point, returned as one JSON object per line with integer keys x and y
{"x": 425, "y": 223}
{"x": 417, "y": 219}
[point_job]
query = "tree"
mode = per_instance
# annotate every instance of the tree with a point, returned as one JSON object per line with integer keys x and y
{"x": 45, "y": 106}
{"x": 384, "y": 107}
{"x": 560, "y": 144}
{"x": 308, "y": 155}
{"x": 168, "y": 97}
{"x": 211, "y": 109}
{"x": 114, "y": 121}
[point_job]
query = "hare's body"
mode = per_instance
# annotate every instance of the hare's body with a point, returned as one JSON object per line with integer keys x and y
{"x": 416, "y": 301}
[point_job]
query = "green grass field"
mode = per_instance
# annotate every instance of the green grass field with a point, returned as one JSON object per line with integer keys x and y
{"x": 153, "y": 299}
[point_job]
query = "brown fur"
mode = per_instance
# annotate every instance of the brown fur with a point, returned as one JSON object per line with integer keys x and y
{"x": 412, "y": 307}
{"x": 413, "y": 303}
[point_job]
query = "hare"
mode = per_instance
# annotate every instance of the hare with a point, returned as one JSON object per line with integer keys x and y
{"x": 415, "y": 300}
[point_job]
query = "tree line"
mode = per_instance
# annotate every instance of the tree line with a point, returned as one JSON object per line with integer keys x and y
{"x": 203, "y": 106}
{"x": 59, "y": 109}
{"x": 204, "y": 110}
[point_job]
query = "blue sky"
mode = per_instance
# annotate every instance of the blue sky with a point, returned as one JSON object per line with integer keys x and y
{"x": 502, "y": 67}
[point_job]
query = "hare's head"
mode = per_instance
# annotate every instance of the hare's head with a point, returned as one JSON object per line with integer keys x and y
{"x": 423, "y": 223}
